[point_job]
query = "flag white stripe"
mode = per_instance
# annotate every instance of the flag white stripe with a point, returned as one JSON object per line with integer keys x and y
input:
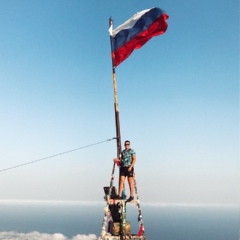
{"x": 129, "y": 23}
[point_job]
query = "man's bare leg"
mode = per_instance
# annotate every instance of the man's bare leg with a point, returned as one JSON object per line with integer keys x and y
{"x": 121, "y": 183}
{"x": 130, "y": 182}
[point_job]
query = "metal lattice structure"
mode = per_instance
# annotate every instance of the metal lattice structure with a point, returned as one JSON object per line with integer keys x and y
{"x": 114, "y": 224}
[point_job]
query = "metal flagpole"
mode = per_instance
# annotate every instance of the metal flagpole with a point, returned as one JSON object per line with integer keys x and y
{"x": 116, "y": 109}
{"x": 118, "y": 134}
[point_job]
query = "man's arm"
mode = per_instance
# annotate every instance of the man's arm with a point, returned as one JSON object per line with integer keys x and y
{"x": 134, "y": 159}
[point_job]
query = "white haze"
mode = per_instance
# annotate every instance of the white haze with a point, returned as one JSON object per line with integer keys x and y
{"x": 43, "y": 236}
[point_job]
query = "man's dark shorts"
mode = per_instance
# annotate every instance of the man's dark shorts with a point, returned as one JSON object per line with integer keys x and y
{"x": 124, "y": 172}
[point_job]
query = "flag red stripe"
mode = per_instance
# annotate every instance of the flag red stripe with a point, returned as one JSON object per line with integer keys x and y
{"x": 159, "y": 26}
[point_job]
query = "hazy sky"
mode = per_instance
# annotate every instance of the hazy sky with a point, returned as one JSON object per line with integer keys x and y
{"x": 178, "y": 100}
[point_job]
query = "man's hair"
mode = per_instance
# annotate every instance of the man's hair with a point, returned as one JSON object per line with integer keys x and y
{"x": 127, "y": 141}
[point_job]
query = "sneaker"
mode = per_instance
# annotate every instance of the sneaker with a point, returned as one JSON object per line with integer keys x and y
{"x": 130, "y": 199}
{"x": 118, "y": 198}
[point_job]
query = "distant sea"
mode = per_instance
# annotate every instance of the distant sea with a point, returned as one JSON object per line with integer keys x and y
{"x": 83, "y": 221}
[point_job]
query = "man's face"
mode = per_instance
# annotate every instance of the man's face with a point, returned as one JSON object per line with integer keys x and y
{"x": 127, "y": 145}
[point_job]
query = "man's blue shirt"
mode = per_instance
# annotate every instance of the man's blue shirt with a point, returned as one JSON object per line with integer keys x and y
{"x": 127, "y": 157}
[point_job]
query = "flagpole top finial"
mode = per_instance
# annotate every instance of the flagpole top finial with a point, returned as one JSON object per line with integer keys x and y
{"x": 110, "y": 21}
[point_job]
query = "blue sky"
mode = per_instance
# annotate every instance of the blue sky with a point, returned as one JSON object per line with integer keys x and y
{"x": 178, "y": 99}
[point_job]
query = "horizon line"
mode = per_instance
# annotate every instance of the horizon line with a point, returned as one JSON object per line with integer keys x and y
{"x": 84, "y": 202}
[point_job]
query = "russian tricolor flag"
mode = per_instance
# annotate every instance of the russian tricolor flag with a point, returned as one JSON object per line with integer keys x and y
{"x": 135, "y": 32}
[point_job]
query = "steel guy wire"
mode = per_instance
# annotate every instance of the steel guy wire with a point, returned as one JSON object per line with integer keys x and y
{"x": 56, "y": 155}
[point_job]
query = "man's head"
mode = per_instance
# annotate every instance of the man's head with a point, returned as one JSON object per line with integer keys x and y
{"x": 127, "y": 144}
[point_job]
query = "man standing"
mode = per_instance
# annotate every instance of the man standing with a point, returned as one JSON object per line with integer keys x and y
{"x": 127, "y": 161}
